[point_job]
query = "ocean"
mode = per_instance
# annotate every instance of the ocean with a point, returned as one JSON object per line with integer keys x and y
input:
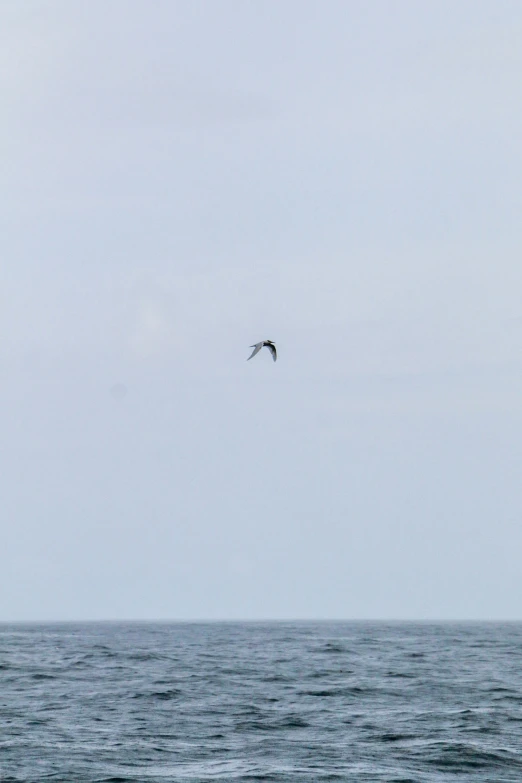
{"x": 296, "y": 701}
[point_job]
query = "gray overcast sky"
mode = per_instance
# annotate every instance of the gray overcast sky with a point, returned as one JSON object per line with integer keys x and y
{"x": 183, "y": 179}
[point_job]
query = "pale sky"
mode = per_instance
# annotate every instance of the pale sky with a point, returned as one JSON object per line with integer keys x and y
{"x": 182, "y": 179}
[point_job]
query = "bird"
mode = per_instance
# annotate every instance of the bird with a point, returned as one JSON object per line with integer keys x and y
{"x": 257, "y": 347}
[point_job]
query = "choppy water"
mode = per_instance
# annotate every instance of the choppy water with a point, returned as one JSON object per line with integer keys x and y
{"x": 254, "y": 702}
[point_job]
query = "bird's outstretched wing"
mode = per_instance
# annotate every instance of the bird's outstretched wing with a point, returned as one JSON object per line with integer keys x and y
{"x": 257, "y": 347}
{"x": 273, "y": 351}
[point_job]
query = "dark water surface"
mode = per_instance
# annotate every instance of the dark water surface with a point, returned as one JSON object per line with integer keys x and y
{"x": 275, "y": 702}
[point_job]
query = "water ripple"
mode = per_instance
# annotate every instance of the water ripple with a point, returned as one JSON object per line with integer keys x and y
{"x": 401, "y": 703}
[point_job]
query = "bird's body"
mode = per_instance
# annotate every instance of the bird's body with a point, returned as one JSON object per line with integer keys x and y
{"x": 264, "y": 344}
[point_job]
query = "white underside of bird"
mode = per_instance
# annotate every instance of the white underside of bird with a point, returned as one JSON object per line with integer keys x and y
{"x": 264, "y": 343}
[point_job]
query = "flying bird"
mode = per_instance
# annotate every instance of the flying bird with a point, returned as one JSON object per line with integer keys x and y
{"x": 257, "y": 347}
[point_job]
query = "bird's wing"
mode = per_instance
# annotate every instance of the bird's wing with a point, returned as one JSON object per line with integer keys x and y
{"x": 257, "y": 347}
{"x": 273, "y": 351}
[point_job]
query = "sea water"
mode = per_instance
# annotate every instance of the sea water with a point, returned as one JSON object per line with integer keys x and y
{"x": 359, "y": 701}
